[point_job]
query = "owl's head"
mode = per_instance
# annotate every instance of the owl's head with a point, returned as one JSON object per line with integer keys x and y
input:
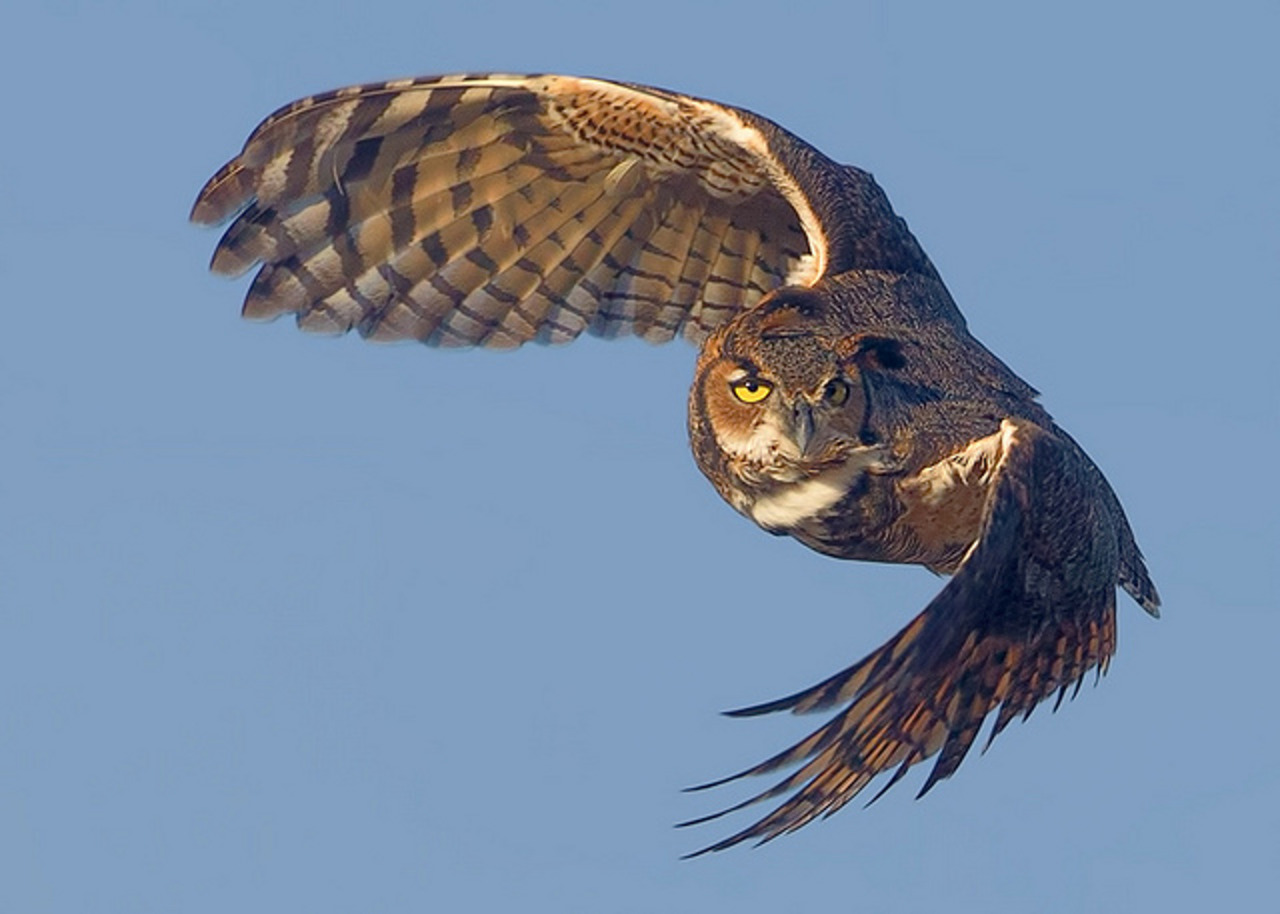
{"x": 778, "y": 411}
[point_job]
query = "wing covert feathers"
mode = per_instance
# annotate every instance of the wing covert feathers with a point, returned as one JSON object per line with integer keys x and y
{"x": 1029, "y": 613}
{"x": 493, "y": 210}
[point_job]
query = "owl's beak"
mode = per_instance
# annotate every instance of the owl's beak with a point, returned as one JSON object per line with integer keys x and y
{"x": 802, "y": 424}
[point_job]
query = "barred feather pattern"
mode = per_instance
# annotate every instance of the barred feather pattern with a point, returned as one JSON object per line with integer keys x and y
{"x": 494, "y": 210}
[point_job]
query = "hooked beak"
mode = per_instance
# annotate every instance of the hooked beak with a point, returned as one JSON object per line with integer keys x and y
{"x": 802, "y": 424}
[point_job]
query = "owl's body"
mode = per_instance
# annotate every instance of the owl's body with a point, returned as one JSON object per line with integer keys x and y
{"x": 907, "y": 413}
{"x": 838, "y": 398}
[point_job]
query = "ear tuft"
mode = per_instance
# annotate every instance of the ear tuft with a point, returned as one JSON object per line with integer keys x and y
{"x": 789, "y": 313}
{"x": 877, "y": 352}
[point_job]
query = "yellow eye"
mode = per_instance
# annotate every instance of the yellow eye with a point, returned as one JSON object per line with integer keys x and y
{"x": 750, "y": 390}
{"x": 836, "y": 392}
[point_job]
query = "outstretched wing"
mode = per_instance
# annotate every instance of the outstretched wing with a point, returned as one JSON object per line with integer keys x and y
{"x": 493, "y": 210}
{"x": 1030, "y": 611}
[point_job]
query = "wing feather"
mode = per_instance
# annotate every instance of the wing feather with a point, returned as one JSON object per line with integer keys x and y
{"x": 423, "y": 208}
{"x": 1029, "y": 612}
{"x": 698, "y": 265}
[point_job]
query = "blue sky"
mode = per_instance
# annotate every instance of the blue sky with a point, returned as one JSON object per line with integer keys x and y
{"x": 302, "y": 624}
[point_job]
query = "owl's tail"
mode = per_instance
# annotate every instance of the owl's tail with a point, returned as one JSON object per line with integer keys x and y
{"x": 925, "y": 692}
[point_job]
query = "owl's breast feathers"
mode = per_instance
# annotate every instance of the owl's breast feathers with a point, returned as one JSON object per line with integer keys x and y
{"x": 929, "y": 515}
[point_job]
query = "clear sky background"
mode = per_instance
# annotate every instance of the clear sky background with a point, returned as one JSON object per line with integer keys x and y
{"x": 302, "y": 624}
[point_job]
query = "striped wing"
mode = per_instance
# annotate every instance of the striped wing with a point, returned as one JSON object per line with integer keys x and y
{"x": 1031, "y": 610}
{"x": 494, "y": 210}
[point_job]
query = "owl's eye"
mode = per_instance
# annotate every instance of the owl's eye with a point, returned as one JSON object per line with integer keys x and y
{"x": 750, "y": 390}
{"x": 836, "y": 392}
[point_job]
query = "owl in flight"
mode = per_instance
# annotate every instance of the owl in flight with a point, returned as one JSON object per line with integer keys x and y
{"x": 838, "y": 397}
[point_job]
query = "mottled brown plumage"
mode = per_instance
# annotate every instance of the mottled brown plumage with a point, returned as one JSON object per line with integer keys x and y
{"x": 838, "y": 398}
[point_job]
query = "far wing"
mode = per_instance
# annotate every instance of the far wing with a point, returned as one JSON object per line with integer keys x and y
{"x": 494, "y": 210}
{"x": 1028, "y": 613}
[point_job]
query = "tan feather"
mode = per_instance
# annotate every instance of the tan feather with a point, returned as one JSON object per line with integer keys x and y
{"x": 337, "y": 189}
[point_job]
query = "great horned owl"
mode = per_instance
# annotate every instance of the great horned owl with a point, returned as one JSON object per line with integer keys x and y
{"x": 838, "y": 398}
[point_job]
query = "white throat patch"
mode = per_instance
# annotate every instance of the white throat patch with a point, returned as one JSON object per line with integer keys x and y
{"x": 793, "y": 503}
